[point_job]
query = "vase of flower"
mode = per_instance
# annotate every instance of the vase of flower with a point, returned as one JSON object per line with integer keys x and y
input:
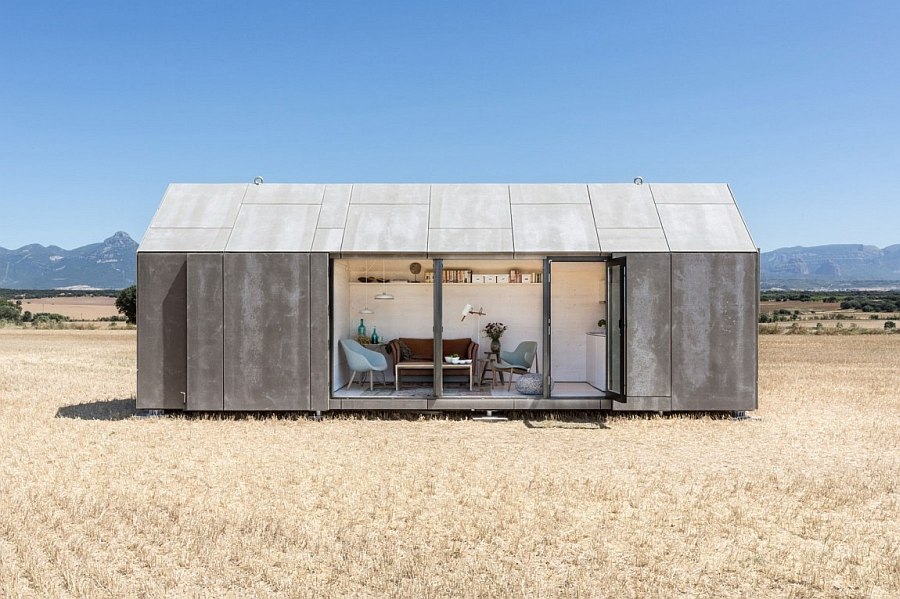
{"x": 494, "y": 330}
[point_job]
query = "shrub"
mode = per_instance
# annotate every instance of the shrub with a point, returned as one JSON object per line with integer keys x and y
{"x": 889, "y": 325}
{"x": 126, "y": 303}
{"x": 10, "y": 312}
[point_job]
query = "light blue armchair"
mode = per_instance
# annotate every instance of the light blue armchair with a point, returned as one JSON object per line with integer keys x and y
{"x": 363, "y": 360}
{"x": 518, "y": 361}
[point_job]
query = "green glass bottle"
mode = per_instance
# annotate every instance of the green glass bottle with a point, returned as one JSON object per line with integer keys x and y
{"x": 361, "y": 329}
{"x": 375, "y": 338}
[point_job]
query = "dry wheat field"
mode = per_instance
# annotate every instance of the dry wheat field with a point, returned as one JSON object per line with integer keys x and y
{"x": 97, "y": 503}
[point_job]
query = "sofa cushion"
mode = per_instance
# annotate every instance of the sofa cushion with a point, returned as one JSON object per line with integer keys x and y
{"x": 406, "y": 353}
{"x": 456, "y": 346}
{"x": 422, "y": 349}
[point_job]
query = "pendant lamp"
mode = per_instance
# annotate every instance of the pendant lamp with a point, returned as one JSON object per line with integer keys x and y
{"x": 384, "y": 295}
{"x": 366, "y": 309}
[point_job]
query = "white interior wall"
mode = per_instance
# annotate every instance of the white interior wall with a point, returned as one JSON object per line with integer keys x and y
{"x": 577, "y": 301}
{"x": 517, "y": 306}
{"x": 340, "y": 372}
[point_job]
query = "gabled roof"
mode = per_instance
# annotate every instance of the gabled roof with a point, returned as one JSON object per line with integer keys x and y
{"x": 439, "y": 219}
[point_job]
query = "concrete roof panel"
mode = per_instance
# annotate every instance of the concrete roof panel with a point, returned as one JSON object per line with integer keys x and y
{"x": 284, "y": 193}
{"x": 538, "y": 219}
{"x": 705, "y": 228}
{"x": 551, "y": 193}
{"x": 632, "y": 240}
{"x": 474, "y": 241}
{"x": 623, "y": 205}
{"x": 190, "y": 205}
{"x": 553, "y": 228}
{"x": 386, "y": 228}
{"x": 274, "y": 228}
{"x": 390, "y": 193}
{"x": 470, "y": 207}
{"x": 328, "y": 240}
{"x": 184, "y": 240}
{"x": 691, "y": 193}
{"x": 334, "y": 206}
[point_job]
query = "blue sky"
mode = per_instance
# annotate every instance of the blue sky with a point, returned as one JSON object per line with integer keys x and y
{"x": 795, "y": 104}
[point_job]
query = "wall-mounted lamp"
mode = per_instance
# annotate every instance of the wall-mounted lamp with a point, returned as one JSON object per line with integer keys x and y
{"x": 469, "y": 310}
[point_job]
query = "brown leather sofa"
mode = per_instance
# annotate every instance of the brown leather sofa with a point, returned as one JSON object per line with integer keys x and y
{"x": 422, "y": 351}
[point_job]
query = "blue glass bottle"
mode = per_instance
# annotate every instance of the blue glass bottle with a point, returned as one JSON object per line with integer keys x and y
{"x": 375, "y": 337}
{"x": 361, "y": 329}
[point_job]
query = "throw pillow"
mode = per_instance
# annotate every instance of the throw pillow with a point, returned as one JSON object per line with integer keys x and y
{"x": 405, "y": 352}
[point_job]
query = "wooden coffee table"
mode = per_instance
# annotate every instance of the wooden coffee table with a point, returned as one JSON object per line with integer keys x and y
{"x": 445, "y": 366}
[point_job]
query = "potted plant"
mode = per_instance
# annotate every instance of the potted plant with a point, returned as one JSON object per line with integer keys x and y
{"x": 601, "y": 324}
{"x": 495, "y": 330}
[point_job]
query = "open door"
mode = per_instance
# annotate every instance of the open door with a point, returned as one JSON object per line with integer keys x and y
{"x": 616, "y": 327}
{"x": 574, "y": 345}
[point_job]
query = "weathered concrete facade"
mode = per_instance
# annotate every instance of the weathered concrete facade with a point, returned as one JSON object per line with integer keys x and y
{"x": 234, "y": 307}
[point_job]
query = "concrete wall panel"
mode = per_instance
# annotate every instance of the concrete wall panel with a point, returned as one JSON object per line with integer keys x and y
{"x": 648, "y": 333}
{"x": 161, "y": 340}
{"x": 319, "y": 347}
{"x": 714, "y": 331}
{"x": 205, "y": 333}
{"x": 266, "y": 331}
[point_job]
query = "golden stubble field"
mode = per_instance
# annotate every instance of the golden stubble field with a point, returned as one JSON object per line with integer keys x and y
{"x": 76, "y": 308}
{"x": 95, "y": 503}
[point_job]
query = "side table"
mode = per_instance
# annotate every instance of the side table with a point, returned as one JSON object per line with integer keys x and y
{"x": 489, "y": 358}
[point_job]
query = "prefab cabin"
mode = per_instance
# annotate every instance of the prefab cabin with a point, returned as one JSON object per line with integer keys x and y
{"x": 245, "y": 290}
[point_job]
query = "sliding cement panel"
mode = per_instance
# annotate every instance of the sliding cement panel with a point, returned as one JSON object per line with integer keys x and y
{"x": 319, "y": 348}
{"x": 714, "y": 331}
{"x": 161, "y": 341}
{"x": 205, "y": 333}
{"x": 266, "y": 331}
{"x": 648, "y": 337}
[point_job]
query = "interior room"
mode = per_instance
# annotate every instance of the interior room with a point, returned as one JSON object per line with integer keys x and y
{"x": 379, "y": 301}
{"x": 578, "y": 313}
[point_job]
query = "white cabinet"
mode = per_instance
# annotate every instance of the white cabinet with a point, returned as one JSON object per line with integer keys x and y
{"x": 595, "y": 360}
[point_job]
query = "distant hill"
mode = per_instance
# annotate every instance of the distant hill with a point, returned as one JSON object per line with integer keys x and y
{"x": 831, "y": 267}
{"x": 107, "y": 265}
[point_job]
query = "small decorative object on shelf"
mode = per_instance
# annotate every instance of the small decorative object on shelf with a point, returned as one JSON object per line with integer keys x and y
{"x": 494, "y": 330}
{"x": 415, "y": 268}
{"x": 375, "y": 337}
{"x": 361, "y": 329}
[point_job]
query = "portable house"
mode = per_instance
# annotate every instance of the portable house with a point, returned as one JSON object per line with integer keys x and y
{"x": 246, "y": 290}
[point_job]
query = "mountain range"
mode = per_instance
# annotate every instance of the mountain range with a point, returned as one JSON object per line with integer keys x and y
{"x": 111, "y": 264}
{"x": 831, "y": 267}
{"x": 107, "y": 265}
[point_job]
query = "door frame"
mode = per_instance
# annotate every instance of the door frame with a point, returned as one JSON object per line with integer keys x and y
{"x": 623, "y": 328}
{"x": 547, "y": 308}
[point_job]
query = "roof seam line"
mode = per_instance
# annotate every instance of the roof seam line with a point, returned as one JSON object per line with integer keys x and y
{"x": 236, "y": 216}
{"x": 658, "y": 217}
{"x": 594, "y": 218}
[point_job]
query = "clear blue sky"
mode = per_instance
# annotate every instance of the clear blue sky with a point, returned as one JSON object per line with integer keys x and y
{"x": 795, "y": 104}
